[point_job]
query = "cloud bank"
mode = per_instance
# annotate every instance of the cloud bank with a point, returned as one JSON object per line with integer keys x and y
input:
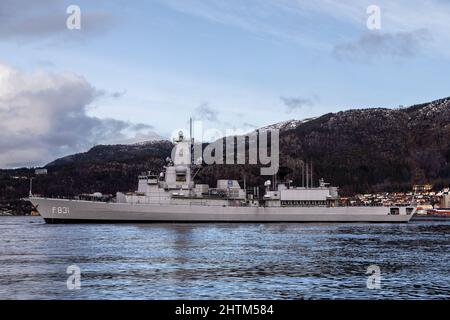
{"x": 298, "y": 103}
{"x": 44, "y": 116}
{"x": 375, "y": 45}
{"x": 304, "y": 22}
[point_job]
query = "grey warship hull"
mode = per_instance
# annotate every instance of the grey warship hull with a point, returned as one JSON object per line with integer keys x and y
{"x": 173, "y": 196}
{"x": 77, "y": 211}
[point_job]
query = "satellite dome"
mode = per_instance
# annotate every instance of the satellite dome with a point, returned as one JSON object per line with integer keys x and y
{"x": 180, "y": 170}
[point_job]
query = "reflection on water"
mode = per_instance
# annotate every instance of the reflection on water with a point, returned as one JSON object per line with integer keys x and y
{"x": 223, "y": 261}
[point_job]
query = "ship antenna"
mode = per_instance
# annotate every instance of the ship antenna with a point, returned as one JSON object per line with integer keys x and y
{"x": 307, "y": 175}
{"x": 31, "y": 186}
{"x": 303, "y": 174}
{"x": 191, "y": 131}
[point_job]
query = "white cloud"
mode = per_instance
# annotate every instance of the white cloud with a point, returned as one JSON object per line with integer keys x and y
{"x": 322, "y": 24}
{"x": 205, "y": 112}
{"x": 371, "y": 46}
{"x": 298, "y": 103}
{"x": 44, "y": 116}
{"x": 273, "y": 19}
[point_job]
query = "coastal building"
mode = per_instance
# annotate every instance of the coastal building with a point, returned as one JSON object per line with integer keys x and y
{"x": 422, "y": 188}
{"x": 445, "y": 200}
{"x": 40, "y": 171}
{"x": 173, "y": 196}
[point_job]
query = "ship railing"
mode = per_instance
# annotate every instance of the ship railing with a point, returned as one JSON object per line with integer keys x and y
{"x": 104, "y": 198}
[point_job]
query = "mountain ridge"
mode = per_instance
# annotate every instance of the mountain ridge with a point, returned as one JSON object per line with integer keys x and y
{"x": 359, "y": 150}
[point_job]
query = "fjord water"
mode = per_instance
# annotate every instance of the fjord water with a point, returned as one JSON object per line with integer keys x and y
{"x": 223, "y": 261}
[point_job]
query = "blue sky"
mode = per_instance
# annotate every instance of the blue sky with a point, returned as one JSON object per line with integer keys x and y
{"x": 151, "y": 65}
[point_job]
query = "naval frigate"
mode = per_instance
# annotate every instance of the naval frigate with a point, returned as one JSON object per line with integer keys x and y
{"x": 173, "y": 196}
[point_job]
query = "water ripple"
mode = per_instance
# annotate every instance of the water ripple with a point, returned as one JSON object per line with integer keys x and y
{"x": 223, "y": 261}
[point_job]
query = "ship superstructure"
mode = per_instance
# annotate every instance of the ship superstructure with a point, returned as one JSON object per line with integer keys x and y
{"x": 173, "y": 196}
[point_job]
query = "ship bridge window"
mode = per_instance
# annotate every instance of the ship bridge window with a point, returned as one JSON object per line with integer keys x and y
{"x": 409, "y": 211}
{"x": 394, "y": 211}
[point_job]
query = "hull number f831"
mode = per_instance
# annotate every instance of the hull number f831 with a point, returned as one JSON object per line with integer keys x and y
{"x": 60, "y": 210}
